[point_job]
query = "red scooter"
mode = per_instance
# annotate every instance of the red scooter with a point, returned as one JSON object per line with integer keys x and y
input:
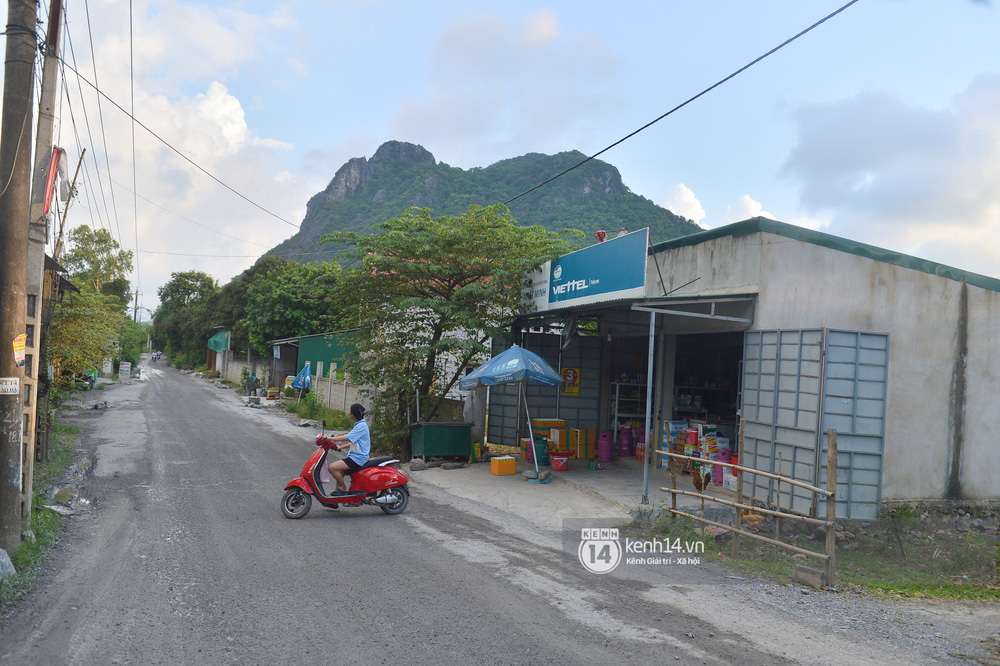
{"x": 377, "y": 483}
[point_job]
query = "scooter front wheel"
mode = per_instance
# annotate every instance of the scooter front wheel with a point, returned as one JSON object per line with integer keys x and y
{"x": 397, "y": 497}
{"x": 296, "y": 503}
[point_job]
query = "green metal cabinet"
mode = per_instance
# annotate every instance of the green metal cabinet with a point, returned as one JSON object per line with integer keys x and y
{"x": 441, "y": 439}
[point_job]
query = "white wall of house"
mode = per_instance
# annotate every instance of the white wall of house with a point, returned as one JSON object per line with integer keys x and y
{"x": 944, "y": 368}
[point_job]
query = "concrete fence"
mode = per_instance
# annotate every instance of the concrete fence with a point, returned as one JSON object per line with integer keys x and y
{"x": 337, "y": 394}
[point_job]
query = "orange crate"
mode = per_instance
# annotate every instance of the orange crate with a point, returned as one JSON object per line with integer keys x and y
{"x": 503, "y": 465}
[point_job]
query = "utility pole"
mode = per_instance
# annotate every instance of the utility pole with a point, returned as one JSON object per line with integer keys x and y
{"x": 43, "y": 179}
{"x": 15, "y": 174}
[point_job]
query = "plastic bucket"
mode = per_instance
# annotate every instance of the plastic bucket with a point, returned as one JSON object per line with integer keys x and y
{"x": 559, "y": 461}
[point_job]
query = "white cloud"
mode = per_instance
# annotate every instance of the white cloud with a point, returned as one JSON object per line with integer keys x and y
{"x": 181, "y": 212}
{"x": 681, "y": 200}
{"x": 542, "y": 27}
{"x": 911, "y": 179}
{"x": 744, "y": 208}
{"x": 495, "y": 91}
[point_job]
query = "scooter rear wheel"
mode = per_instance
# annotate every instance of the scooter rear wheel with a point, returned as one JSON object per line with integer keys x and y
{"x": 296, "y": 503}
{"x": 399, "y": 497}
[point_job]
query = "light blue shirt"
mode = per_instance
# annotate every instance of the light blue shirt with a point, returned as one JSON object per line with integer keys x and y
{"x": 361, "y": 442}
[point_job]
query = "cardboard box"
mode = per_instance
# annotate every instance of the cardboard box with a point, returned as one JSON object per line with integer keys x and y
{"x": 503, "y": 465}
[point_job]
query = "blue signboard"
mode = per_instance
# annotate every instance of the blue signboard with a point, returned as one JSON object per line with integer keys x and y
{"x": 608, "y": 271}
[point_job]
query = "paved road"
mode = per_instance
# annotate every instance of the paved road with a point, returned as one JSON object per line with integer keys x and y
{"x": 183, "y": 557}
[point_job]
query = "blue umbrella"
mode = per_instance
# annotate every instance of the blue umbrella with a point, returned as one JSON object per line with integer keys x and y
{"x": 303, "y": 380}
{"x": 514, "y": 366}
{"x": 517, "y": 364}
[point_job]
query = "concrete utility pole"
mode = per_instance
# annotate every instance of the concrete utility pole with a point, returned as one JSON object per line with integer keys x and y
{"x": 42, "y": 179}
{"x": 15, "y": 172}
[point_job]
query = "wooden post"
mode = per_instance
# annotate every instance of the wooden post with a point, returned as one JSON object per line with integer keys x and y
{"x": 777, "y": 520}
{"x": 738, "y": 517}
{"x": 673, "y": 484}
{"x": 831, "y": 504}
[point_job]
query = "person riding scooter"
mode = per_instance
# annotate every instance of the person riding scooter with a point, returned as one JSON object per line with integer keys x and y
{"x": 359, "y": 441}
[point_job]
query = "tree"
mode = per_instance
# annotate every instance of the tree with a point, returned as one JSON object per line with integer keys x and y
{"x": 426, "y": 295}
{"x": 85, "y": 327}
{"x": 96, "y": 261}
{"x": 292, "y": 299}
{"x": 181, "y": 322}
{"x": 228, "y": 306}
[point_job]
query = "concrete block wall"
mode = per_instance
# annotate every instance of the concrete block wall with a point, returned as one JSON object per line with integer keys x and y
{"x": 547, "y": 402}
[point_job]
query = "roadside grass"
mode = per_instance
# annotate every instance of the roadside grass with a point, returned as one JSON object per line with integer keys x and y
{"x": 311, "y": 407}
{"x": 938, "y": 563}
{"x": 46, "y": 525}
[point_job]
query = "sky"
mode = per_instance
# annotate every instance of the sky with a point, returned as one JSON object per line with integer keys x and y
{"x": 882, "y": 125}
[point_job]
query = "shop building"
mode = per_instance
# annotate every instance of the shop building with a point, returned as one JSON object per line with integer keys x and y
{"x": 792, "y": 331}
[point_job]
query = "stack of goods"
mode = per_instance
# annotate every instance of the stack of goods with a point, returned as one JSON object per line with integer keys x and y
{"x": 555, "y": 431}
{"x": 583, "y": 443}
{"x": 674, "y": 438}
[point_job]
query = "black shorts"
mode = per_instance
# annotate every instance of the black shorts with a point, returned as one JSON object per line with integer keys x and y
{"x": 352, "y": 466}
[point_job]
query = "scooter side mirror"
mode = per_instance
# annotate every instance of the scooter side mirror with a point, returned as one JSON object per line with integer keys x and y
{"x": 324, "y": 426}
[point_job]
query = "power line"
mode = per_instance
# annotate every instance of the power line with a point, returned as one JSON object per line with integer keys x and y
{"x": 180, "y": 154}
{"x": 135, "y": 203}
{"x": 186, "y": 219}
{"x": 687, "y": 101}
{"x": 231, "y": 256}
{"x": 100, "y": 115}
{"x": 90, "y": 135}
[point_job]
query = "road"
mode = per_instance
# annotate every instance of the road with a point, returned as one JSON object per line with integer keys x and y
{"x": 179, "y": 554}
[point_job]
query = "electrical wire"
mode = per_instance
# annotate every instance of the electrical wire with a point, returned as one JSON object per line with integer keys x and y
{"x": 135, "y": 202}
{"x": 231, "y": 256}
{"x": 100, "y": 115}
{"x": 186, "y": 219}
{"x": 180, "y": 154}
{"x": 687, "y": 101}
{"x": 90, "y": 135}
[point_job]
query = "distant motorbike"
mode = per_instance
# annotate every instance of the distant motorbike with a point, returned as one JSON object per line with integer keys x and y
{"x": 377, "y": 483}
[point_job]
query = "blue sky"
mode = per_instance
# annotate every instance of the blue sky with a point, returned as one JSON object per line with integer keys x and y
{"x": 882, "y": 125}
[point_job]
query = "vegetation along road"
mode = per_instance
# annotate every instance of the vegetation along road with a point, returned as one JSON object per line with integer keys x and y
{"x": 180, "y": 554}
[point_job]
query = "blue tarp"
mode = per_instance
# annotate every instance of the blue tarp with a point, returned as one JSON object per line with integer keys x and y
{"x": 514, "y": 365}
{"x": 303, "y": 380}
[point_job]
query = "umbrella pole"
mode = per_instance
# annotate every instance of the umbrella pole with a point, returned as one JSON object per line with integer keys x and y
{"x": 531, "y": 432}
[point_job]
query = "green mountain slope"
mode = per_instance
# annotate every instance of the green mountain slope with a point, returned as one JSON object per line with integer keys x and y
{"x": 365, "y": 192}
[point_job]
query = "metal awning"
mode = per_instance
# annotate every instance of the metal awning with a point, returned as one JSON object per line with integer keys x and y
{"x": 702, "y": 314}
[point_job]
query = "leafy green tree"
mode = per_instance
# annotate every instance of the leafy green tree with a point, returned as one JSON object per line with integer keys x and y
{"x": 228, "y": 306}
{"x": 426, "y": 295}
{"x": 292, "y": 299}
{"x": 132, "y": 341}
{"x": 85, "y": 327}
{"x": 180, "y": 323}
{"x": 96, "y": 261}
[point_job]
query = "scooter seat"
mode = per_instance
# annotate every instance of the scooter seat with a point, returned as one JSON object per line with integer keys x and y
{"x": 375, "y": 462}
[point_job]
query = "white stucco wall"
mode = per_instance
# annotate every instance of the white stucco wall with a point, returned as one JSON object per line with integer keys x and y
{"x": 803, "y": 285}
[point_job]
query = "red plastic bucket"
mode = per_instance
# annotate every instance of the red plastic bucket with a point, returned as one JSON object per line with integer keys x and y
{"x": 558, "y": 461}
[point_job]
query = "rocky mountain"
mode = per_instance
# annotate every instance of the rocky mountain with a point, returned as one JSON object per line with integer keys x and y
{"x": 367, "y": 191}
